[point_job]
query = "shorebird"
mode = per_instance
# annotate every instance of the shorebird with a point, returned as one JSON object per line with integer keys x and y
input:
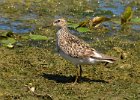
{"x": 76, "y": 50}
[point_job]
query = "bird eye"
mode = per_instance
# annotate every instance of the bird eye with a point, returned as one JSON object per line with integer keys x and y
{"x": 57, "y": 21}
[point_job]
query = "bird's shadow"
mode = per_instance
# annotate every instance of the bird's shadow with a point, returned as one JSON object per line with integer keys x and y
{"x": 68, "y": 79}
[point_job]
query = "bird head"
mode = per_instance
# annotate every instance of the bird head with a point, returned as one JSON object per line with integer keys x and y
{"x": 60, "y": 22}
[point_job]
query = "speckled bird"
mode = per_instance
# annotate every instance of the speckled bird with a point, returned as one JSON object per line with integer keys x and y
{"x": 76, "y": 50}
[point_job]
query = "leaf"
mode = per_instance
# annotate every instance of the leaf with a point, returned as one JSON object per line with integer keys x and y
{"x": 84, "y": 23}
{"x": 72, "y": 25}
{"x": 25, "y": 37}
{"x": 96, "y": 21}
{"x": 126, "y": 15}
{"x": 8, "y": 42}
{"x": 37, "y": 37}
{"x": 137, "y": 20}
{"x": 4, "y": 33}
{"x": 83, "y": 29}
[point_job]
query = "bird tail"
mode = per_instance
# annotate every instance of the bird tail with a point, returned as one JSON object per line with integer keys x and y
{"x": 106, "y": 58}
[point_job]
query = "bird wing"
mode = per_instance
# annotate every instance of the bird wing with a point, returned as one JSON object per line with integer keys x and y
{"x": 75, "y": 47}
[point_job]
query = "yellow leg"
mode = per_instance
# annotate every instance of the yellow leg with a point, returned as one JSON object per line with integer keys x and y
{"x": 76, "y": 78}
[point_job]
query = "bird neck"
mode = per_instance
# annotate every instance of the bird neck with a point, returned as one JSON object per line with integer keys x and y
{"x": 64, "y": 27}
{"x": 64, "y": 31}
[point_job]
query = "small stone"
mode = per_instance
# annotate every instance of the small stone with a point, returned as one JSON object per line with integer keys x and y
{"x": 125, "y": 66}
{"x": 32, "y": 89}
{"x": 124, "y": 55}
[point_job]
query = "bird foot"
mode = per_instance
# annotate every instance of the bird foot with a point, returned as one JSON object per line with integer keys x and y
{"x": 74, "y": 83}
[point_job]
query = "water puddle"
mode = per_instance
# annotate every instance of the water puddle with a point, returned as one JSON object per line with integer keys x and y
{"x": 115, "y": 6}
{"x": 136, "y": 28}
{"x": 18, "y": 26}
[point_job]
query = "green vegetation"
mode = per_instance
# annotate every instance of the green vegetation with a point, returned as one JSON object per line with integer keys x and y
{"x": 127, "y": 15}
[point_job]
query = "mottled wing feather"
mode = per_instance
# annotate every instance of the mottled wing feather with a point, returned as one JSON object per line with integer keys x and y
{"x": 75, "y": 47}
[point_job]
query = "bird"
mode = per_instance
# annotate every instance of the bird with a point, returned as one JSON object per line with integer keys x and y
{"x": 76, "y": 50}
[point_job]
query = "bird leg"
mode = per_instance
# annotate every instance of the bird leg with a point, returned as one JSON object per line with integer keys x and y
{"x": 78, "y": 73}
{"x": 106, "y": 63}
